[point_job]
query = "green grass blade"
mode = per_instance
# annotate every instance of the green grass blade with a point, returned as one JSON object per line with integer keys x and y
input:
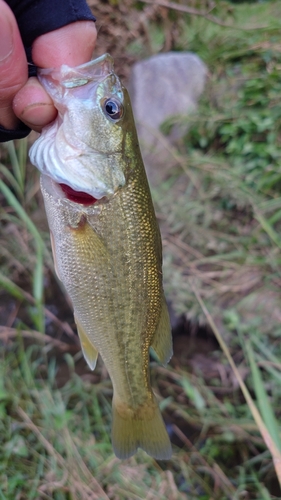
{"x": 13, "y": 202}
{"x": 263, "y": 400}
{"x": 11, "y": 287}
{"x": 10, "y": 178}
{"x": 265, "y": 351}
{"x": 10, "y": 146}
{"x": 268, "y": 228}
{"x": 39, "y": 246}
{"x": 22, "y": 158}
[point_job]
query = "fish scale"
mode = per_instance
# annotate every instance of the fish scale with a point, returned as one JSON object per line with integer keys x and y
{"x": 108, "y": 254}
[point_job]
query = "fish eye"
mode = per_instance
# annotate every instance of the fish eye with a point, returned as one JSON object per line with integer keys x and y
{"x": 113, "y": 108}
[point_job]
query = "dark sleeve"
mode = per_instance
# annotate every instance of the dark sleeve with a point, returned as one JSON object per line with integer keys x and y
{"x": 9, "y": 135}
{"x": 35, "y": 18}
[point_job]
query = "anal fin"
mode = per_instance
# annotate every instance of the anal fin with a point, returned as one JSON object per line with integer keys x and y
{"x": 162, "y": 343}
{"x": 89, "y": 351}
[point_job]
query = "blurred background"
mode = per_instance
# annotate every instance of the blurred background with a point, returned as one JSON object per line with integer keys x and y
{"x": 216, "y": 191}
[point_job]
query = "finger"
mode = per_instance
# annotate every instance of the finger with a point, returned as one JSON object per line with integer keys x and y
{"x": 72, "y": 45}
{"x": 34, "y": 106}
{"x": 13, "y": 65}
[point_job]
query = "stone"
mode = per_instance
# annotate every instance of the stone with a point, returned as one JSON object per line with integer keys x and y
{"x": 160, "y": 87}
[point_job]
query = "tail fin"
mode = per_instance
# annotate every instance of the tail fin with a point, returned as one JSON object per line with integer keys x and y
{"x": 135, "y": 429}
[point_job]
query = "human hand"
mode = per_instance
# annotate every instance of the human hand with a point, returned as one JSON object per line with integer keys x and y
{"x": 23, "y": 98}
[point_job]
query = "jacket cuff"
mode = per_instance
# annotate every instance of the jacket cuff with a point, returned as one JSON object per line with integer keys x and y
{"x": 9, "y": 135}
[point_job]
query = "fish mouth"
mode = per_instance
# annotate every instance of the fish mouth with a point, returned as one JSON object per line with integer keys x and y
{"x": 77, "y": 196}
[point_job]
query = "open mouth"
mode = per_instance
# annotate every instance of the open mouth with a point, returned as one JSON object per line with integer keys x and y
{"x": 77, "y": 196}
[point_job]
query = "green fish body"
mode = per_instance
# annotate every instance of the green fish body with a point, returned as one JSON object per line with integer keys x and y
{"x": 107, "y": 247}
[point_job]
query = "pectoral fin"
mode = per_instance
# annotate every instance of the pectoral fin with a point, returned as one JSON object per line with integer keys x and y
{"x": 88, "y": 348}
{"x": 162, "y": 341}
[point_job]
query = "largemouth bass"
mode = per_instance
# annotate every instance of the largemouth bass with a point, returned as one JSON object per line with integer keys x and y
{"x": 106, "y": 242}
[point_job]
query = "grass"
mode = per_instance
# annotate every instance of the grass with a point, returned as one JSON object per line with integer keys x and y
{"x": 220, "y": 212}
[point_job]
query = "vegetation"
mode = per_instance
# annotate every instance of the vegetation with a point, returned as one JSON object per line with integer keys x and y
{"x": 220, "y": 215}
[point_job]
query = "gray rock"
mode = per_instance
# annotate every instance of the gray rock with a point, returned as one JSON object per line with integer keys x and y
{"x": 162, "y": 86}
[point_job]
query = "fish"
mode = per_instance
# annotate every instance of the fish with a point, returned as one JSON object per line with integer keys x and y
{"x": 106, "y": 242}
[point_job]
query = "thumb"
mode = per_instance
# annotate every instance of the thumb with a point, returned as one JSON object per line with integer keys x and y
{"x": 13, "y": 65}
{"x": 73, "y": 45}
